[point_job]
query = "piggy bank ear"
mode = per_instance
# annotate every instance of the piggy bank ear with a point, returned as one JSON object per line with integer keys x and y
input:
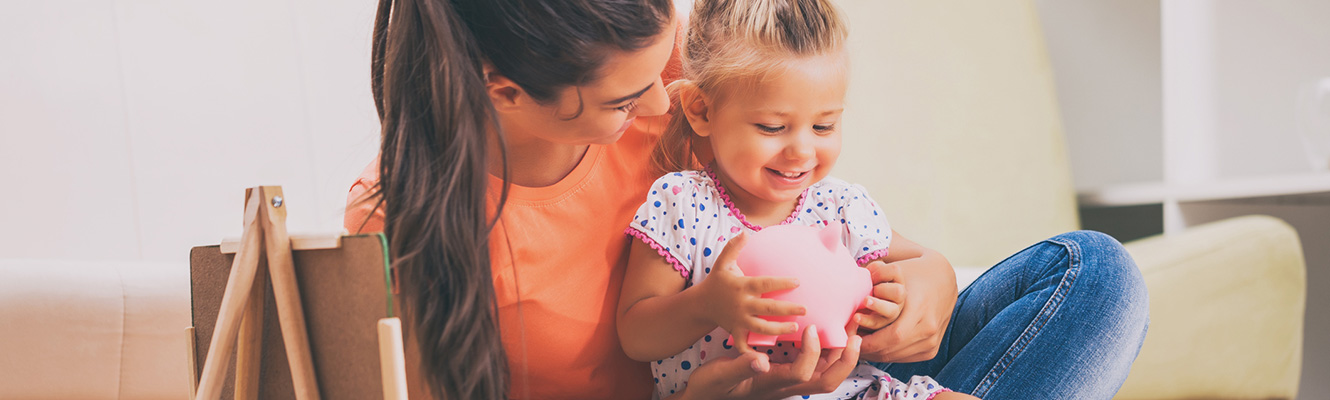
{"x": 830, "y": 235}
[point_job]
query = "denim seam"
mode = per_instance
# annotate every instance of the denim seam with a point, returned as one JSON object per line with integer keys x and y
{"x": 1046, "y": 313}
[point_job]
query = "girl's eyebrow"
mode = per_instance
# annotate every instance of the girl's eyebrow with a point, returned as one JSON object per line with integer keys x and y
{"x": 636, "y": 94}
{"x": 782, "y": 113}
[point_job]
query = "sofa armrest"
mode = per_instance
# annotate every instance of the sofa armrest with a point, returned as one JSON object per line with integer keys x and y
{"x": 1226, "y": 312}
{"x": 93, "y": 330}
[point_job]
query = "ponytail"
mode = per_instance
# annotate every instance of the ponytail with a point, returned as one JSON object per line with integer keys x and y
{"x": 673, "y": 152}
{"x": 430, "y": 95}
{"x": 427, "y": 77}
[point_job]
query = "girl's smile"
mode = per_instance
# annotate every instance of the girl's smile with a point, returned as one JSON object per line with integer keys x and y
{"x": 776, "y": 134}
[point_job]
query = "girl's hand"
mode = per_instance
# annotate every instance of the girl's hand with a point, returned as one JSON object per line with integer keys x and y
{"x": 813, "y": 371}
{"x": 884, "y": 305}
{"x": 734, "y": 302}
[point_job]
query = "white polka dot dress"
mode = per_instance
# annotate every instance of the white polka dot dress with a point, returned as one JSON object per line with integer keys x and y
{"x": 687, "y": 218}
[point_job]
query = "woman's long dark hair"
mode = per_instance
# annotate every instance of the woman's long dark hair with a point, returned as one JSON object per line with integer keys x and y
{"x": 429, "y": 88}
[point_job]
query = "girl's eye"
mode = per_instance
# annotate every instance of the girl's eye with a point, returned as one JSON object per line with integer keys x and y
{"x": 769, "y": 129}
{"x": 824, "y": 128}
{"x": 628, "y": 108}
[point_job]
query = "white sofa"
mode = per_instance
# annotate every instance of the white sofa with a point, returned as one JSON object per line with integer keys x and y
{"x": 93, "y": 330}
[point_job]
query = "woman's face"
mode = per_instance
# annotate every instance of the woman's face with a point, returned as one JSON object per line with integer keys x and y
{"x": 629, "y": 86}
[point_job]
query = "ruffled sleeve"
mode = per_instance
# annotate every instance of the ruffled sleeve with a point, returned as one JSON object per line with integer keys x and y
{"x": 869, "y": 232}
{"x": 667, "y": 221}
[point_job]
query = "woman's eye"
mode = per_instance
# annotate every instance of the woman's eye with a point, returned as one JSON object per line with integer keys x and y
{"x": 630, "y": 107}
{"x": 769, "y": 128}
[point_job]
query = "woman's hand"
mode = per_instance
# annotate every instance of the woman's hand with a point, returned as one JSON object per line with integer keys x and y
{"x": 813, "y": 371}
{"x": 925, "y": 283}
{"x": 734, "y": 302}
{"x": 751, "y": 376}
{"x": 728, "y": 378}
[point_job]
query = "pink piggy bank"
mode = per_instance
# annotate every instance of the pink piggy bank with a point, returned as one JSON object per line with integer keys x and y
{"x": 831, "y": 285}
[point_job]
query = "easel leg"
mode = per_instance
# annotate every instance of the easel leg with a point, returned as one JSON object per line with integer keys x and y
{"x": 392, "y": 359}
{"x": 289, "y": 310}
{"x": 234, "y": 299}
{"x": 249, "y": 345}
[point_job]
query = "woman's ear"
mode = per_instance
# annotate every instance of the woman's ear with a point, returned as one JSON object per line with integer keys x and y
{"x": 505, "y": 94}
{"x": 696, "y": 107}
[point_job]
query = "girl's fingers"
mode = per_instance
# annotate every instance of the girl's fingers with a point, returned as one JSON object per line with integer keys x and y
{"x": 766, "y": 284}
{"x": 883, "y": 272}
{"x": 779, "y": 308}
{"x": 871, "y": 322}
{"x": 773, "y": 328}
{"x": 739, "y": 337}
{"x": 882, "y": 313}
{"x": 891, "y": 291}
{"x": 728, "y": 255}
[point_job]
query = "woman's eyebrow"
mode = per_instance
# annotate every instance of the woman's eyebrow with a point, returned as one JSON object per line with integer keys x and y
{"x": 631, "y": 96}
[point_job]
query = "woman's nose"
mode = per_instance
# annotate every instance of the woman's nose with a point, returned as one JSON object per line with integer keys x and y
{"x": 655, "y": 101}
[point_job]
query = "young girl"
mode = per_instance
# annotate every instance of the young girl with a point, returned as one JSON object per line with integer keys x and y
{"x": 762, "y": 96}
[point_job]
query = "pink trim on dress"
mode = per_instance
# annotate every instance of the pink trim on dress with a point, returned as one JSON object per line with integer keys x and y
{"x": 931, "y": 396}
{"x": 664, "y": 251}
{"x": 725, "y": 196}
{"x": 870, "y": 257}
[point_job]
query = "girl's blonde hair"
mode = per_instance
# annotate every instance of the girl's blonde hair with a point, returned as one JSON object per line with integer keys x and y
{"x": 731, "y": 41}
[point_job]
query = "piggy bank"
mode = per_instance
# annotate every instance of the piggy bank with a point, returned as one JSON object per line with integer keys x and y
{"x": 831, "y": 285}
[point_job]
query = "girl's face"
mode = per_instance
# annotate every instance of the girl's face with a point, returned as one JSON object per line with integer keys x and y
{"x": 629, "y": 85}
{"x": 776, "y": 136}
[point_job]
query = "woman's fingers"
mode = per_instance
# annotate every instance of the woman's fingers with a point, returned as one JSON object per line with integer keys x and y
{"x": 805, "y": 363}
{"x": 843, "y": 365}
{"x": 727, "y": 377}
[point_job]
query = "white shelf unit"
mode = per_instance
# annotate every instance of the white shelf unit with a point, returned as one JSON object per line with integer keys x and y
{"x": 1183, "y": 112}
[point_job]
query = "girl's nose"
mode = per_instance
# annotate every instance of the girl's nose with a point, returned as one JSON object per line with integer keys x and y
{"x": 800, "y": 146}
{"x": 655, "y": 101}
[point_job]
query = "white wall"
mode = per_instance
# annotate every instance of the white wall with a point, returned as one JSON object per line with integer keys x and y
{"x": 1106, "y": 64}
{"x": 131, "y": 128}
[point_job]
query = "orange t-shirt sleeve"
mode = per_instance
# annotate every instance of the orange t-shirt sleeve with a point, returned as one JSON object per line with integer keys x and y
{"x": 364, "y": 213}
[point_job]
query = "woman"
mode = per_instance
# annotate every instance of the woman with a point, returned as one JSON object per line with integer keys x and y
{"x": 516, "y": 138}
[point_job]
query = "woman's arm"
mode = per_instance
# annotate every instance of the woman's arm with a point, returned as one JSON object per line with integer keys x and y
{"x": 928, "y": 284}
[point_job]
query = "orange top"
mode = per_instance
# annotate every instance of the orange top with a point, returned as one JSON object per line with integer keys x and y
{"x": 560, "y": 253}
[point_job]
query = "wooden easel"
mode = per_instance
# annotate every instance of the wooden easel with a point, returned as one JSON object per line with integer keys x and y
{"x": 240, "y": 318}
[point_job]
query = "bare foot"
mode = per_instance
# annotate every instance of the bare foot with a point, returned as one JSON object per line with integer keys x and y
{"x": 953, "y": 396}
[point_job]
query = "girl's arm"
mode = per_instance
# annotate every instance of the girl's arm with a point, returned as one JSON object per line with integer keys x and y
{"x": 928, "y": 284}
{"x": 658, "y": 318}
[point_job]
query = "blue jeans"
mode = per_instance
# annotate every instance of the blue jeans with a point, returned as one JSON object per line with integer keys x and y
{"x": 1062, "y": 319}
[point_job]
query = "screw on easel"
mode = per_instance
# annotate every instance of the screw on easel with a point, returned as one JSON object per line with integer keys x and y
{"x": 277, "y": 201}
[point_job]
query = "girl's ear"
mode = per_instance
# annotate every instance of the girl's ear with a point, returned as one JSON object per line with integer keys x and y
{"x": 503, "y": 92}
{"x": 696, "y": 107}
